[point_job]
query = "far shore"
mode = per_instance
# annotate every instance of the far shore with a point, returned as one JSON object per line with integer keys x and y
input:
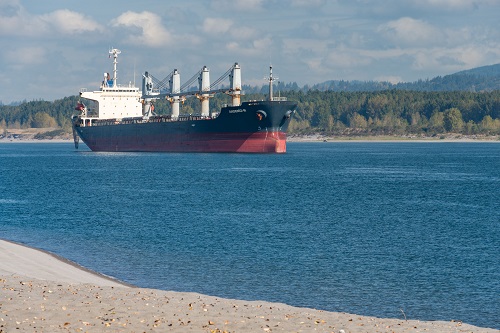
{"x": 388, "y": 138}
{"x": 43, "y": 293}
{"x": 29, "y": 135}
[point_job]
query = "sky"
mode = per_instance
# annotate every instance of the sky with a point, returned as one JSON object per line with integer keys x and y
{"x": 51, "y": 49}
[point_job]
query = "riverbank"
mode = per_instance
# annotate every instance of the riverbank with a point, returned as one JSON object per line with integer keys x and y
{"x": 42, "y": 293}
{"x": 35, "y": 135}
{"x": 390, "y": 138}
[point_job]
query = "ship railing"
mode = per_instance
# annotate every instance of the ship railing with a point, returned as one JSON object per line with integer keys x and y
{"x": 92, "y": 121}
{"x": 169, "y": 118}
{"x": 279, "y": 99}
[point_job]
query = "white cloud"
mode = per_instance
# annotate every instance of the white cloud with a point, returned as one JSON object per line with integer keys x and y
{"x": 263, "y": 44}
{"x": 296, "y": 46}
{"x": 347, "y": 58}
{"x": 16, "y": 21}
{"x": 458, "y": 4}
{"x": 390, "y": 78}
{"x": 25, "y": 56}
{"x": 233, "y": 46}
{"x": 449, "y": 60}
{"x": 408, "y": 31}
{"x": 320, "y": 29}
{"x": 151, "y": 31}
{"x": 224, "y": 29}
{"x": 243, "y": 33}
{"x": 216, "y": 25}
{"x": 254, "y": 48}
{"x": 307, "y": 3}
{"x": 238, "y": 5}
{"x": 68, "y": 22}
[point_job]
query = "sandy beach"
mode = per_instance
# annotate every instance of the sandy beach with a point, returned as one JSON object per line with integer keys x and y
{"x": 43, "y": 293}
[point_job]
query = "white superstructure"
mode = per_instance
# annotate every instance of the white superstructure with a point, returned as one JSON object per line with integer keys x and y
{"x": 114, "y": 101}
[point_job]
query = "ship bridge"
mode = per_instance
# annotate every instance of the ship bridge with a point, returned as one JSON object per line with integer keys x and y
{"x": 112, "y": 99}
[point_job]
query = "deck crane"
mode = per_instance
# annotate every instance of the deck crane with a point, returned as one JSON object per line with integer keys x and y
{"x": 153, "y": 89}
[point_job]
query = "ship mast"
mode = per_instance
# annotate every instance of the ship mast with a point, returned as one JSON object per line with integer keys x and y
{"x": 271, "y": 79}
{"x": 115, "y": 53}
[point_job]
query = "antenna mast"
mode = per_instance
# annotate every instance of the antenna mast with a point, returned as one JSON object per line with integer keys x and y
{"x": 115, "y": 53}
{"x": 271, "y": 79}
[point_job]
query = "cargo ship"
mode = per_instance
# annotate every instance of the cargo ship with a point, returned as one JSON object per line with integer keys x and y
{"x": 122, "y": 118}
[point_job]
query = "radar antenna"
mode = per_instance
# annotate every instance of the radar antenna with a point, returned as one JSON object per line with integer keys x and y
{"x": 115, "y": 53}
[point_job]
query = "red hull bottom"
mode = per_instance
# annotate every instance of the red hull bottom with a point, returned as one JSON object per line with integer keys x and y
{"x": 260, "y": 142}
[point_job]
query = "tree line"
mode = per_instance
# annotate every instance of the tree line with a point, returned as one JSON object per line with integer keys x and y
{"x": 388, "y": 112}
{"x": 38, "y": 114}
{"x": 396, "y": 112}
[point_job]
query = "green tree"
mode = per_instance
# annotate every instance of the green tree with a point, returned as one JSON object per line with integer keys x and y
{"x": 490, "y": 125}
{"x": 470, "y": 127}
{"x": 436, "y": 122}
{"x": 15, "y": 125}
{"x": 42, "y": 119}
{"x": 358, "y": 121}
{"x": 452, "y": 120}
{"x": 299, "y": 126}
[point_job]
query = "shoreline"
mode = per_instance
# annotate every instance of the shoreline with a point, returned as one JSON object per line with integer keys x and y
{"x": 317, "y": 138}
{"x": 388, "y": 138}
{"x": 29, "y": 136}
{"x": 44, "y": 292}
{"x": 21, "y": 259}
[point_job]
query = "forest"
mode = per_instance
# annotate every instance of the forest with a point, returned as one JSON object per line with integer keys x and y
{"x": 397, "y": 112}
{"x": 388, "y": 112}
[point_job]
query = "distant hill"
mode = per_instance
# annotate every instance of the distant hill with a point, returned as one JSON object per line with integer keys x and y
{"x": 485, "y": 78}
{"x": 487, "y": 71}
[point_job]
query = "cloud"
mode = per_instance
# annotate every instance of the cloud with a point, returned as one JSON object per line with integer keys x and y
{"x": 68, "y": 22}
{"x": 347, "y": 58}
{"x": 146, "y": 28}
{"x": 16, "y": 21}
{"x": 305, "y": 46}
{"x": 25, "y": 56}
{"x": 224, "y": 28}
{"x": 390, "y": 78}
{"x": 239, "y": 5}
{"x": 439, "y": 59}
{"x": 308, "y": 3}
{"x": 263, "y": 44}
{"x": 243, "y": 33}
{"x": 252, "y": 48}
{"x": 9, "y": 8}
{"x": 408, "y": 31}
{"x": 233, "y": 46}
{"x": 457, "y": 4}
{"x": 216, "y": 25}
